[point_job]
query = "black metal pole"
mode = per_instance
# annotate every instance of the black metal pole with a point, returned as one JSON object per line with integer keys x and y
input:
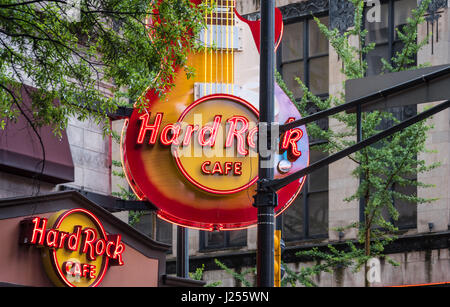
{"x": 359, "y": 138}
{"x": 182, "y": 252}
{"x": 266, "y": 199}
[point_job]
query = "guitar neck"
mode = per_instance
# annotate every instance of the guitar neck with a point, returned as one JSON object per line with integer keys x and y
{"x": 223, "y": 13}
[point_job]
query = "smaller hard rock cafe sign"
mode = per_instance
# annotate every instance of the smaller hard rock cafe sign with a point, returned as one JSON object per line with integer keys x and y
{"x": 76, "y": 250}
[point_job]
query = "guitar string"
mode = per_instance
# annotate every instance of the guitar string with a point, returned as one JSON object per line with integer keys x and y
{"x": 227, "y": 52}
{"x": 232, "y": 47}
{"x": 211, "y": 47}
{"x": 205, "y": 42}
{"x": 216, "y": 43}
{"x": 221, "y": 47}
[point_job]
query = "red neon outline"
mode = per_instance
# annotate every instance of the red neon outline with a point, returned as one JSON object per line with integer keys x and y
{"x": 177, "y": 158}
{"x": 212, "y": 138}
{"x": 235, "y": 170}
{"x": 102, "y": 250}
{"x": 145, "y": 118}
{"x": 66, "y": 265}
{"x": 107, "y": 249}
{"x": 292, "y": 142}
{"x": 207, "y": 189}
{"x": 92, "y": 271}
{"x": 237, "y": 133}
{"x": 85, "y": 270}
{"x": 117, "y": 256}
{"x": 289, "y": 142}
{"x": 41, "y": 230}
{"x": 217, "y": 168}
{"x": 204, "y": 170}
{"x": 218, "y": 96}
{"x": 162, "y": 216}
{"x": 77, "y": 235}
{"x": 251, "y": 137}
{"x": 62, "y": 238}
{"x": 176, "y": 131}
{"x": 226, "y": 169}
{"x": 190, "y": 129}
{"x": 55, "y": 234}
{"x": 54, "y": 260}
{"x": 88, "y": 246}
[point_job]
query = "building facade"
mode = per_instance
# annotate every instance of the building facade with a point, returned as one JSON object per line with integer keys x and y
{"x": 320, "y": 209}
{"x": 85, "y": 160}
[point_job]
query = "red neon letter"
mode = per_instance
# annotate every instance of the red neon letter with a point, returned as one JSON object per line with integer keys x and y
{"x": 76, "y": 269}
{"x": 228, "y": 166}
{"x": 74, "y": 239}
{"x": 119, "y": 248}
{"x": 153, "y": 128}
{"x": 204, "y": 169}
{"x": 238, "y": 168}
{"x": 290, "y": 139}
{"x": 89, "y": 237}
{"x": 39, "y": 230}
{"x": 85, "y": 270}
{"x": 51, "y": 238}
{"x": 62, "y": 237}
{"x": 211, "y": 130}
{"x": 100, "y": 246}
{"x": 92, "y": 271}
{"x": 188, "y": 135}
{"x": 251, "y": 137}
{"x": 239, "y": 134}
{"x": 217, "y": 168}
{"x": 175, "y": 128}
{"x": 67, "y": 266}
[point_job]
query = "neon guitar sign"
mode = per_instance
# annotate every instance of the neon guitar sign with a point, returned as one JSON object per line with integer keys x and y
{"x": 193, "y": 153}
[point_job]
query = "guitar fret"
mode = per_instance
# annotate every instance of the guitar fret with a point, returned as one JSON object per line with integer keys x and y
{"x": 225, "y": 3}
{"x": 223, "y": 13}
{"x": 221, "y": 18}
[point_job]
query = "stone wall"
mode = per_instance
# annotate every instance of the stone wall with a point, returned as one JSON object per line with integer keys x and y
{"x": 91, "y": 156}
{"x": 439, "y": 137}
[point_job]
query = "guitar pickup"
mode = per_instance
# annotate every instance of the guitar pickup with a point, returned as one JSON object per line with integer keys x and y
{"x": 204, "y": 89}
{"x": 215, "y": 36}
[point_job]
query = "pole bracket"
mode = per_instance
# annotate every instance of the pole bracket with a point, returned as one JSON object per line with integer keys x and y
{"x": 266, "y": 195}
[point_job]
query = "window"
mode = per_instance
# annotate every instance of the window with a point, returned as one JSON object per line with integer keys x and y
{"x": 303, "y": 53}
{"x": 307, "y": 217}
{"x": 393, "y": 15}
{"x": 223, "y": 239}
{"x": 148, "y": 223}
{"x": 407, "y": 210}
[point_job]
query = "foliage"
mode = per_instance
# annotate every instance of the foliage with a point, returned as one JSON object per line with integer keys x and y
{"x": 198, "y": 275}
{"x": 238, "y": 276}
{"x": 391, "y": 162}
{"x": 68, "y": 50}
